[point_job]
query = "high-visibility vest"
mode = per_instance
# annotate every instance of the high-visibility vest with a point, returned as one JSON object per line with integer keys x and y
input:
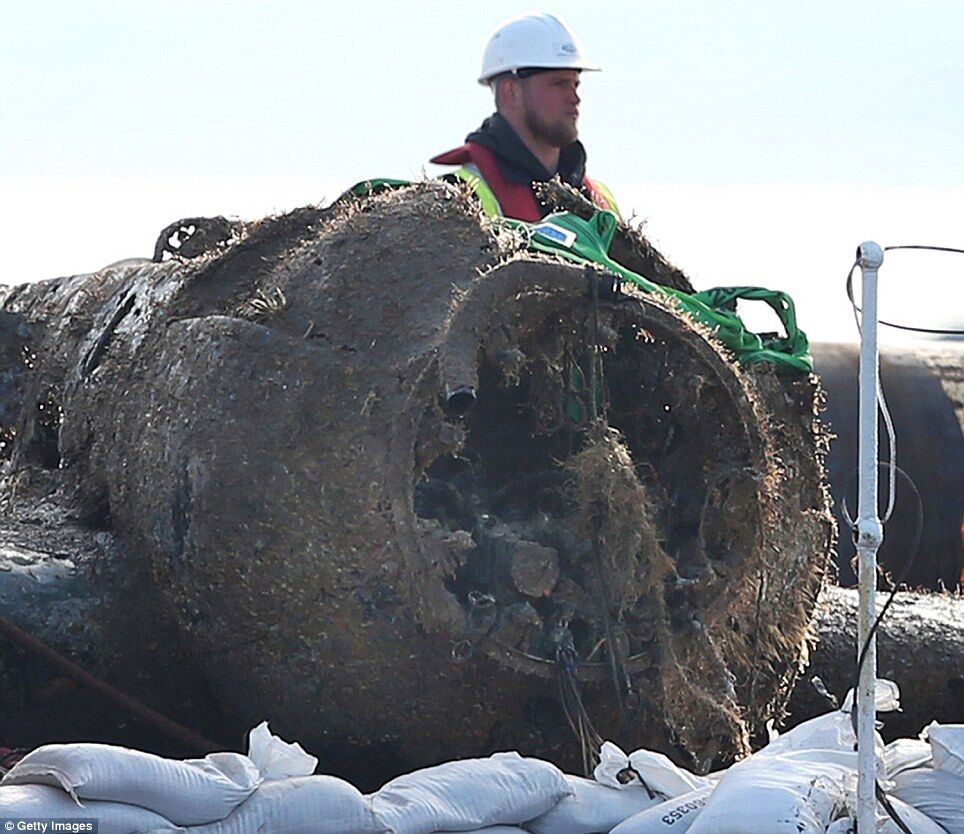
{"x": 498, "y": 196}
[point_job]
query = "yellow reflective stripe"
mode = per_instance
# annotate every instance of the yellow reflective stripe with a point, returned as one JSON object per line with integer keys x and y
{"x": 608, "y": 197}
{"x": 469, "y": 174}
{"x": 490, "y": 205}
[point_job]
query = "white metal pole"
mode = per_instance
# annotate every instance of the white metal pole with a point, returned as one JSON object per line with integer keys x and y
{"x": 870, "y": 534}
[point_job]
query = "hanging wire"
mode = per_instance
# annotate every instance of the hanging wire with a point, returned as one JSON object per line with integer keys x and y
{"x": 570, "y": 693}
{"x": 915, "y": 545}
{"x": 907, "y": 327}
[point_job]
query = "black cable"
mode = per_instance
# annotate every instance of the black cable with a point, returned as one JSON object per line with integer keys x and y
{"x": 921, "y": 246}
{"x": 929, "y": 331}
{"x": 918, "y": 534}
{"x": 570, "y": 694}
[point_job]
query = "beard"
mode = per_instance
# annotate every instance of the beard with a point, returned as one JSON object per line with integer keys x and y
{"x": 558, "y": 134}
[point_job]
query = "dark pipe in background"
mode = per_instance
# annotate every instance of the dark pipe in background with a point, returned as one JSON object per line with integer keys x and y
{"x": 923, "y": 388}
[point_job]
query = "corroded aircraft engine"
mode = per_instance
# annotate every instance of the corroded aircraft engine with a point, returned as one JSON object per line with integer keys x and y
{"x": 408, "y": 487}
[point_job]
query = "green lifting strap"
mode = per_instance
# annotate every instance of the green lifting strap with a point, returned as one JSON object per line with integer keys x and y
{"x": 374, "y": 186}
{"x": 571, "y": 237}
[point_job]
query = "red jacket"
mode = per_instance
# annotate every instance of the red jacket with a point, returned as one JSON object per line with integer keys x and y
{"x": 515, "y": 199}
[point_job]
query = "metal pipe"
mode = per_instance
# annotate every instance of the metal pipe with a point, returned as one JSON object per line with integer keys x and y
{"x": 460, "y": 400}
{"x": 870, "y": 534}
{"x": 186, "y": 736}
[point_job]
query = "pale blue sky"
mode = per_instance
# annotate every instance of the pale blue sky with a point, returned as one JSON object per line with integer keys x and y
{"x": 761, "y": 140}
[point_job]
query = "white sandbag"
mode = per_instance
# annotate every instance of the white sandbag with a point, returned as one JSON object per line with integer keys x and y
{"x": 592, "y": 808}
{"x": 886, "y": 697}
{"x": 188, "y": 792}
{"x": 655, "y": 769}
{"x": 834, "y": 730}
{"x": 905, "y": 754}
{"x": 44, "y": 802}
{"x": 278, "y": 759}
{"x": 302, "y": 805}
{"x": 674, "y": 816}
{"x": 504, "y": 789}
{"x": 947, "y": 747}
{"x": 916, "y": 821}
{"x": 937, "y": 793}
{"x": 799, "y": 792}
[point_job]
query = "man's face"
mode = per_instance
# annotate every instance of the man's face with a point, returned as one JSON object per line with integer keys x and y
{"x": 551, "y": 106}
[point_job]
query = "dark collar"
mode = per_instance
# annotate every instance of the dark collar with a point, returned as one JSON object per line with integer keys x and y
{"x": 518, "y": 164}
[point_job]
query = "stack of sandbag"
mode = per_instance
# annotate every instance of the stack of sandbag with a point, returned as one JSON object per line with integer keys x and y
{"x": 934, "y": 783}
{"x": 924, "y": 783}
{"x": 623, "y": 786}
{"x": 120, "y": 787}
{"x": 129, "y": 791}
{"x": 803, "y": 782}
{"x": 505, "y": 791}
{"x": 799, "y": 783}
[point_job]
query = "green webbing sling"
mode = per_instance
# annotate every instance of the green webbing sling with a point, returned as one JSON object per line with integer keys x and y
{"x": 373, "y": 186}
{"x": 571, "y": 237}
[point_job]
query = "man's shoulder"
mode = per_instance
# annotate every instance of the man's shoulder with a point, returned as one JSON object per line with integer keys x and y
{"x": 461, "y": 155}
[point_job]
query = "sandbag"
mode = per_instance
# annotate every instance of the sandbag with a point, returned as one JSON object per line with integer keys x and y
{"x": 302, "y": 805}
{"x": 905, "y": 754}
{"x": 674, "y": 816}
{"x": 592, "y": 807}
{"x": 798, "y": 792}
{"x": 834, "y": 730}
{"x": 45, "y": 802}
{"x": 947, "y": 747}
{"x": 916, "y": 821}
{"x": 190, "y": 792}
{"x": 504, "y": 789}
{"x": 937, "y": 793}
{"x": 655, "y": 770}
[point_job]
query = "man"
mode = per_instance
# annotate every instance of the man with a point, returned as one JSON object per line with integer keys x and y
{"x": 532, "y": 64}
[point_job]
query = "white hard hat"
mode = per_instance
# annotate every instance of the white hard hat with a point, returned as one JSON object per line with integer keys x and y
{"x": 533, "y": 40}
